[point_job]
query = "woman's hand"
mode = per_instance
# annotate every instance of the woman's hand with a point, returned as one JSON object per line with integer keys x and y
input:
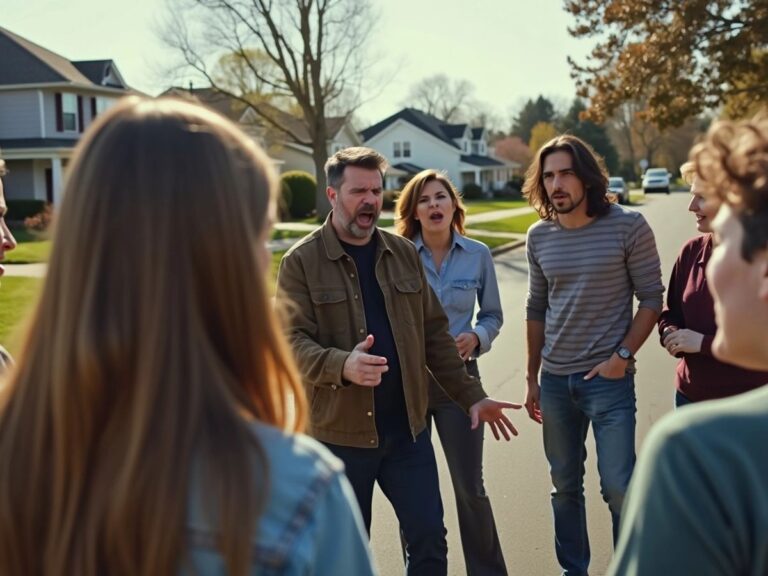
{"x": 683, "y": 340}
{"x": 467, "y": 342}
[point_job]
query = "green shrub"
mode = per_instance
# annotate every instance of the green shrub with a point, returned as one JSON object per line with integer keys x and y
{"x": 303, "y": 188}
{"x": 41, "y": 221}
{"x": 18, "y": 210}
{"x": 472, "y": 191}
{"x": 512, "y": 190}
{"x": 284, "y": 200}
{"x": 390, "y": 199}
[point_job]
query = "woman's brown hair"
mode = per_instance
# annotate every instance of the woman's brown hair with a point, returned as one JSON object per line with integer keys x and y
{"x": 407, "y": 225}
{"x": 151, "y": 348}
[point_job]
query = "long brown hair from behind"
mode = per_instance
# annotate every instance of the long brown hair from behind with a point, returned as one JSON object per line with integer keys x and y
{"x": 406, "y": 224}
{"x": 588, "y": 166}
{"x": 152, "y": 346}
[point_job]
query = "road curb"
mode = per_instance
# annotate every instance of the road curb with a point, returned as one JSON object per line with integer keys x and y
{"x": 508, "y": 247}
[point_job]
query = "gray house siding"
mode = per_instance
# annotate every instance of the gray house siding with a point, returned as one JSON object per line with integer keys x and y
{"x": 19, "y": 183}
{"x": 20, "y": 114}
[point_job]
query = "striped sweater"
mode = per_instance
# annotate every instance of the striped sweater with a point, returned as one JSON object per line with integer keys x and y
{"x": 581, "y": 284}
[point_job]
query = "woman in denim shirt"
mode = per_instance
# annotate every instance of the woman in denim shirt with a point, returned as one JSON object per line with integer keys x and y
{"x": 151, "y": 423}
{"x": 461, "y": 273}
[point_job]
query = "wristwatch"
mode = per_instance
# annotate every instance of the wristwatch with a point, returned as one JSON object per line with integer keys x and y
{"x": 624, "y": 353}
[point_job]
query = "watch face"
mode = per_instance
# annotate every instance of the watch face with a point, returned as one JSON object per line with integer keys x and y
{"x": 624, "y": 353}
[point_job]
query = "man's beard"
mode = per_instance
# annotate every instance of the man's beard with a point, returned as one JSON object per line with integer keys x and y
{"x": 358, "y": 232}
{"x": 570, "y": 207}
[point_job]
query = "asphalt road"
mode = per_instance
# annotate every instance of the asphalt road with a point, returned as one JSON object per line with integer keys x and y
{"x": 516, "y": 473}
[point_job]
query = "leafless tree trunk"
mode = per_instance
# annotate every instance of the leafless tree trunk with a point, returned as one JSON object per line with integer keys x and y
{"x": 317, "y": 48}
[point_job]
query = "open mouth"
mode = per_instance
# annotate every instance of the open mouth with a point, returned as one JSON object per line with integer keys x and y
{"x": 365, "y": 219}
{"x": 436, "y": 217}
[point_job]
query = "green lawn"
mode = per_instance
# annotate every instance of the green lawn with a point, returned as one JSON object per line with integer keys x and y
{"x": 490, "y": 241}
{"x": 280, "y": 234}
{"x": 518, "y": 224}
{"x": 16, "y": 297}
{"x": 480, "y": 206}
{"x": 31, "y": 247}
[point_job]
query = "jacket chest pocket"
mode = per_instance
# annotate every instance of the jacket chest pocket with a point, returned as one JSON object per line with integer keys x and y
{"x": 330, "y": 306}
{"x": 408, "y": 303}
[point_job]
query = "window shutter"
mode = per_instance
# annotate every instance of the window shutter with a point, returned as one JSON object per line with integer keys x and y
{"x": 59, "y": 114}
{"x": 93, "y": 107}
{"x": 80, "y": 123}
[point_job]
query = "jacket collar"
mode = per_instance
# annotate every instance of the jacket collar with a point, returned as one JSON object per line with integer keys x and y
{"x": 333, "y": 248}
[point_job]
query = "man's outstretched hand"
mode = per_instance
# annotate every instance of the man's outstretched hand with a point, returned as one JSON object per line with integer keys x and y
{"x": 492, "y": 412}
{"x": 362, "y": 368}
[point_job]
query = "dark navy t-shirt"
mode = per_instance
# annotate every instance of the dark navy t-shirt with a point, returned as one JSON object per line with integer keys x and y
{"x": 389, "y": 401}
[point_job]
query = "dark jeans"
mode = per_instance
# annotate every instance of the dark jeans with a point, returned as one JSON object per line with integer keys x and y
{"x": 407, "y": 475}
{"x": 463, "y": 448}
{"x": 568, "y": 405}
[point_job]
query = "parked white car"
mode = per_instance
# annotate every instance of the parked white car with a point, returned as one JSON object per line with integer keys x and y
{"x": 617, "y": 186}
{"x": 656, "y": 180}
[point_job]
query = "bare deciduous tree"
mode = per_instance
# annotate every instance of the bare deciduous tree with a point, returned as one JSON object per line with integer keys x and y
{"x": 315, "y": 51}
{"x": 441, "y": 97}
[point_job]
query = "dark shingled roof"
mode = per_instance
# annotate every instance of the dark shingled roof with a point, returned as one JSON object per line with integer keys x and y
{"x": 24, "y": 62}
{"x": 477, "y": 133}
{"x": 477, "y": 160}
{"x": 454, "y": 130}
{"x": 408, "y": 167}
{"x": 420, "y": 119}
{"x": 98, "y": 70}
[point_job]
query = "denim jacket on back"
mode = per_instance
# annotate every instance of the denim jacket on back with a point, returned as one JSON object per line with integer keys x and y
{"x": 311, "y": 524}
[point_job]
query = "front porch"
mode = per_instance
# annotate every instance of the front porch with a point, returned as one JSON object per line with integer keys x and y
{"x": 489, "y": 173}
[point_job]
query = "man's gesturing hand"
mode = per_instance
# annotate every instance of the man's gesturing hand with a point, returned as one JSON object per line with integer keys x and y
{"x": 362, "y": 368}
{"x": 492, "y": 412}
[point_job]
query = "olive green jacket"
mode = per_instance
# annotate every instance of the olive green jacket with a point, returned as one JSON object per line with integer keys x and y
{"x": 327, "y": 320}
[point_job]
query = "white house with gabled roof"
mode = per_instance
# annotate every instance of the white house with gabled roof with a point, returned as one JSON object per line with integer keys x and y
{"x": 413, "y": 140}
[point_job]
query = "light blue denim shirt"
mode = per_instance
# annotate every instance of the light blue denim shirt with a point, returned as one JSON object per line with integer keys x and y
{"x": 466, "y": 276}
{"x": 311, "y": 524}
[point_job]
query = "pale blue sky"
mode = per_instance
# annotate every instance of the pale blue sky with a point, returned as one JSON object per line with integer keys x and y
{"x": 510, "y": 50}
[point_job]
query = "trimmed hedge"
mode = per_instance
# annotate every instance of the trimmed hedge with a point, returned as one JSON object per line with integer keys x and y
{"x": 284, "y": 200}
{"x": 303, "y": 188}
{"x": 472, "y": 191}
{"x": 18, "y": 210}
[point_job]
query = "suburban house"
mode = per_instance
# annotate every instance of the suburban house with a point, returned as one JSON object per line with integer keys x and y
{"x": 413, "y": 140}
{"x": 287, "y": 152}
{"x": 46, "y": 102}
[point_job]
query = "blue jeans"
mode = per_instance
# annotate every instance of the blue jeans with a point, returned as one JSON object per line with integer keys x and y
{"x": 568, "y": 405}
{"x": 407, "y": 475}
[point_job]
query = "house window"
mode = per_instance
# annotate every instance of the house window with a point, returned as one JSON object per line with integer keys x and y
{"x": 482, "y": 148}
{"x": 465, "y": 145}
{"x": 406, "y": 149}
{"x": 397, "y": 151}
{"x": 69, "y": 112}
{"x": 474, "y": 147}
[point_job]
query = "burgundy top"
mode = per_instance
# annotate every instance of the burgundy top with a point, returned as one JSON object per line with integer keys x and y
{"x": 689, "y": 305}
